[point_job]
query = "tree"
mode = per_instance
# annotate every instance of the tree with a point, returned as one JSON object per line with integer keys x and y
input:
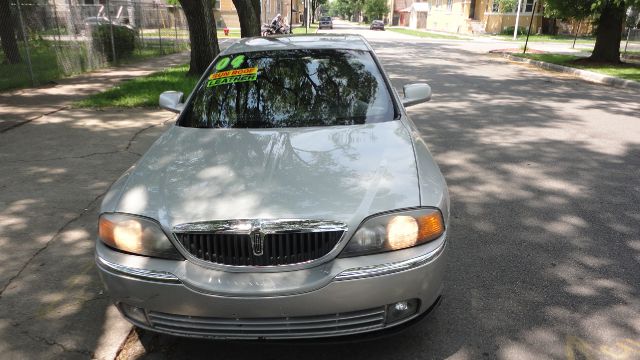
{"x": 375, "y": 9}
{"x": 314, "y": 6}
{"x": 608, "y": 17}
{"x": 249, "y": 16}
{"x": 8, "y": 35}
{"x": 202, "y": 34}
{"x": 507, "y": 6}
{"x": 342, "y": 8}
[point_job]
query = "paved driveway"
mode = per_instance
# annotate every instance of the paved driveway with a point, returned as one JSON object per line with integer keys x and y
{"x": 545, "y": 251}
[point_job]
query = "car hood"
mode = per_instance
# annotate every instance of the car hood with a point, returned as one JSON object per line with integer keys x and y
{"x": 342, "y": 173}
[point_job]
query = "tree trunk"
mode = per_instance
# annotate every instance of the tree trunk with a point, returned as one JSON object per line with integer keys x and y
{"x": 7, "y": 34}
{"x": 249, "y": 16}
{"x": 202, "y": 34}
{"x": 609, "y": 33}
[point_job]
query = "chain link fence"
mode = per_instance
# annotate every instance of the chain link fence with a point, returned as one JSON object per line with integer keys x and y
{"x": 42, "y": 42}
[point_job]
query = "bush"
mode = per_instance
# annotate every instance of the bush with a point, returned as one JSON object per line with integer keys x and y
{"x": 509, "y": 30}
{"x": 124, "y": 38}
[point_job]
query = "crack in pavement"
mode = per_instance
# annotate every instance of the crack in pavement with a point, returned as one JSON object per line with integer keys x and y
{"x": 53, "y": 238}
{"x": 50, "y": 342}
{"x": 17, "y": 125}
{"x": 86, "y": 208}
{"x": 133, "y": 138}
{"x": 126, "y": 149}
{"x": 68, "y": 157}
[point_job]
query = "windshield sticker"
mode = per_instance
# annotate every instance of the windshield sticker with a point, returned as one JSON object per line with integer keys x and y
{"x": 229, "y": 73}
{"x": 233, "y": 76}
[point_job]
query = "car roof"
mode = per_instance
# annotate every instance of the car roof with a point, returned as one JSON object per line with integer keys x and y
{"x": 325, "y": 41}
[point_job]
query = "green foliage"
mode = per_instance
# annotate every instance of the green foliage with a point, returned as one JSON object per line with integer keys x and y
{"x": 625, "y": 71}
{"x": 124, "y": 38}
{"x": 581, "y": 9}
{"x": 346, "y": 8}
{"x": 507, "y": 6}
{"x": 509, "y": 30}
{"x": 143, "y": 91}
{"x": 424, "y": 34}
{"x": 565, "y": 9}
{"x": 375, "y": 9}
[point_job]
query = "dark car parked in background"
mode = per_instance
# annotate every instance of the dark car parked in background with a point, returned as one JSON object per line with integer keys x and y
{"x": 377, "y": 25}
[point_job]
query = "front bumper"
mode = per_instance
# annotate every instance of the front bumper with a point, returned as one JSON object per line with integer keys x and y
{"x": 352, "y": 300}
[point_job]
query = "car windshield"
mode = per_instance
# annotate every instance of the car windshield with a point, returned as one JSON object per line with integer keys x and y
{"x": 325, "y": 18}
{"x": 290, "y": 88}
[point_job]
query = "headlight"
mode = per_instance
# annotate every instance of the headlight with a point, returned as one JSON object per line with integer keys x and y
{"x": 136, "y": 235}
{"x": 395, "y": 231}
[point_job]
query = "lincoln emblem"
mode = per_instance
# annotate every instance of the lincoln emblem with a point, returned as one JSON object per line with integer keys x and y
{"x": 257, "y": 242}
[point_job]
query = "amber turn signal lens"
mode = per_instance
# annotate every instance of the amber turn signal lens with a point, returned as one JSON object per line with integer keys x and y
{"x": 430, "y": 227}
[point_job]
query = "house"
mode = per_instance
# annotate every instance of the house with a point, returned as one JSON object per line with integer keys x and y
{"x": 462, "y": 16}
{"x": 271, "y": 8}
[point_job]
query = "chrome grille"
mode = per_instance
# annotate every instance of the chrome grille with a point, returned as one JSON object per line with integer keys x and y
{"x": 306, "y": 326}
{"x": 275, "y": 249}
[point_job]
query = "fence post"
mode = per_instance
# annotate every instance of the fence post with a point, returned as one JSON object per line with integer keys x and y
{"x": 26, "y": 44}
{"x": 175, "y": 27}
{"x": 158, "y": 22}
{"x": 113, "y": 44}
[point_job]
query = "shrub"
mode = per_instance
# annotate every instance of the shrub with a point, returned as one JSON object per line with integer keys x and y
{"x": 509, "y": 30}
{"x": 123, "y": 37}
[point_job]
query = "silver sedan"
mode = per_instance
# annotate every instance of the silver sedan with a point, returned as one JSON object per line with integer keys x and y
{"x": 293, "y": 198}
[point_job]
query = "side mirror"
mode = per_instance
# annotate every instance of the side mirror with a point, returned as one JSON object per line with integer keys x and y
{"x": 416, "y": 94}
{"x": 172, "y": 101}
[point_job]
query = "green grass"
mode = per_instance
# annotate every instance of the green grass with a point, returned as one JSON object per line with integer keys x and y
{"x": 548, "y": 38}
{"x": 53, "y": 60}
{"x": 170, "y": 33}
{"x": 626, "y": 71}
{"x": 44, "y": 60}
{"x": 423, "y": 34}
{"x": 300, "y": 30}
{"x": 143, "y": 91}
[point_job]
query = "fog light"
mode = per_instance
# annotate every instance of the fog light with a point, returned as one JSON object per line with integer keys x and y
{"x": 134, "y": 313}
{"x": 401, "y": 310}
{"x": 401, "y": 306}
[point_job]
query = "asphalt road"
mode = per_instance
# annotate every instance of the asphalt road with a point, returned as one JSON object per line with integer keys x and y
{"x": 545, "y": 239}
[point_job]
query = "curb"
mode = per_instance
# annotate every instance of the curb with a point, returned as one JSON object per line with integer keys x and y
{"x": 585, "y": 75}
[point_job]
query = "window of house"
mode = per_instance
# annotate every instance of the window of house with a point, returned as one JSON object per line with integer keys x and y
{"x": 495, "y": 6}
{"x": 216, "y": 5}
{"x": 528, "y": 7}
{"x": 449, "y": 5}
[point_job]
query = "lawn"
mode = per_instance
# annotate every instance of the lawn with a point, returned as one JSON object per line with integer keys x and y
{"x": 52, "y": 60}
{"x": 549, "y": 38}
{"x": 45, "y": 64}
{"x": 300, "y": 30}
{"x": 143, "y": 91}
{"x": 424, "y": 34}
{"x": 626, "y": 70}
{"x": 170, "y": 33}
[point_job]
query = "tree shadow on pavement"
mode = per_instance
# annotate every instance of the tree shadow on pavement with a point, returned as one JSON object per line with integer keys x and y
{"x": 544, "y": 238}
{"x": 54, "y": 173}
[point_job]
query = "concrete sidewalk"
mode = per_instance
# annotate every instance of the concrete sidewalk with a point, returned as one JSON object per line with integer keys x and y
{"x": 55, "y": 170}
{"x": 20, "y": 106}
{"x": 56, "y": 163}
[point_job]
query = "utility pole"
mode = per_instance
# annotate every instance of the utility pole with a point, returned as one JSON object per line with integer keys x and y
{"x": 533, "y": 12}
{"x": 515, "y": 31}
